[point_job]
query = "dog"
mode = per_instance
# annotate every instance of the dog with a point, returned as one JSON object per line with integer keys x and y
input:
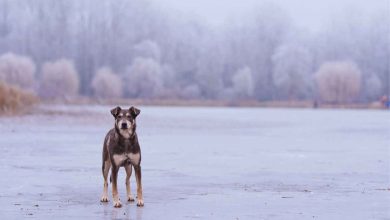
{"x": 121, "y": 149}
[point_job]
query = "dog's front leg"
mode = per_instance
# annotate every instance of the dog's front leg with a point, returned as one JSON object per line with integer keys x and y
{"x": 140, "y": 199}
{"x": 115, "y": 196}
{"x": 105, "y": 169}
{"x": 128, "y": 169}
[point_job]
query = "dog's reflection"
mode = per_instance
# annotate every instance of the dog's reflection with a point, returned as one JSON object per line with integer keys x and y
{"x": 126, "y": 212}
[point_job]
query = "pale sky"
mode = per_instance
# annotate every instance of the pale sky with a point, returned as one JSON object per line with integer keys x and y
{"x": 311, "y": 14}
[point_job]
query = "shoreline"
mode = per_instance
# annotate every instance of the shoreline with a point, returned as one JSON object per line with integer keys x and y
{"x": 215, "y": 103}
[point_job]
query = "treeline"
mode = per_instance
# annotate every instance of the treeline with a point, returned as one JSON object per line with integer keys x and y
{"x": 130, "y": 49}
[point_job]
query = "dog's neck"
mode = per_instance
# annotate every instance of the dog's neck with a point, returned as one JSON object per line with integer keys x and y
{"x": 122, "y": 137}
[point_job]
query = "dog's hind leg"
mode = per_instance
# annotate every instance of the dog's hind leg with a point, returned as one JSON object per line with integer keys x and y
{"x": 128, "y": 169}
{"x": 105, "y": 169}
{"x": 140, "y": 199}
{"x": 115, "y": 195}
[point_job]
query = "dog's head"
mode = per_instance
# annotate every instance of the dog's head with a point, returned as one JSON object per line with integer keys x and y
{"x": 125, "y": 120}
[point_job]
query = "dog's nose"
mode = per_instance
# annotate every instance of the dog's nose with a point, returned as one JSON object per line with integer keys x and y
{"x": 124, "y": 125}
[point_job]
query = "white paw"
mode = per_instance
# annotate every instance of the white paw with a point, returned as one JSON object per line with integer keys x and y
{"x": 117, "y": 204}
{"x": 104, "y": 198}
{"x": 140, "y": 202}
{"x": 130, "y": 198}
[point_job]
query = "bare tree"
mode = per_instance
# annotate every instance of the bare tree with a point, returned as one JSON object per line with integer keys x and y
{"x": 59, "y": 79}
{"x": 338, "y": 82}
{"x": 17, "y": 70}
{"x": 106, "y": 84}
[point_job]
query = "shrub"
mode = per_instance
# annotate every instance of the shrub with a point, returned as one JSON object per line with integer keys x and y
{"x": 143, "y": 79}
{"x": 106, "y": 84}
{"x": 14, "y": 99}
{"x": 17, "y": 70}
{"x": 59, "y": 80}
{"x": 338, "y": 82}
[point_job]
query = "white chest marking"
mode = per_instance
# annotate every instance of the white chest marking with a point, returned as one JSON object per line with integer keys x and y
{"x": 134, "y": 158}
{"x": 120, "y": 158}
{"x": 125, "y": 133}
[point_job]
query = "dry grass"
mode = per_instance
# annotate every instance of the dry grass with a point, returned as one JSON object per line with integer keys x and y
{"x": 14, "y": 100}
{"x": 216, "y": 103}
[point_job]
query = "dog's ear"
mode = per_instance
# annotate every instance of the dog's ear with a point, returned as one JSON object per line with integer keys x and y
{"x": 115, "y": 111}
{"x": 134, "y": 111}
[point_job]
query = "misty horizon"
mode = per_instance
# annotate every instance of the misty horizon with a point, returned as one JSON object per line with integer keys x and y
{"x": 328, "y": 51}
{"x": 307, "y": 14}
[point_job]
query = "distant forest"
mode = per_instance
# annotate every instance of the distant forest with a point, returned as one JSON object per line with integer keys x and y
{"x": 131, "y": 49}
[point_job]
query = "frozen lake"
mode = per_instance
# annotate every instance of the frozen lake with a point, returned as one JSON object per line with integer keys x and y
{"x": 201, "y": 163}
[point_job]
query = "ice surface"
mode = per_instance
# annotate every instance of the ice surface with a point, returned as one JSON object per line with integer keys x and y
{"x": 201, "y": 163}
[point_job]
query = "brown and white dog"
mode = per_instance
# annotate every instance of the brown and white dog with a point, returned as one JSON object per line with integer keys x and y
{"x": 121, "y": 148}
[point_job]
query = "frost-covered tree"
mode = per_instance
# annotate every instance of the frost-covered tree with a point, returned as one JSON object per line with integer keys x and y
{"x": 59, "y": 79}
{"x": 376, "y": 55}
{"x": 114, "y": 33}
{"x": 210, "y": 69}
{"x": 17, "y": 70}
{"x": 5, "y": 24}
{"x": 373, "y": 88}
{"x": 338, "y": 82}
{"x": 292, "y": 65}
{"x": 357, "y": 36}
{"x": 183, "y": 51}
{"x": 270, "y": 26}
{"x": 147, "y": 49}
{"x": 143, "y": 79}
{"x": 106, "y": 84}
{"x": 242, "y": 83}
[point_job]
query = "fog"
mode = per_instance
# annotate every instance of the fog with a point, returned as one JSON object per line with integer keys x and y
{"x": 65, "y": 63}
{"x": 329, "y": 51}
{"x": 312, "y": 15}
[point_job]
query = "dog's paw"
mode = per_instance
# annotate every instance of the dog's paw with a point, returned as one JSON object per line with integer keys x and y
{"x": 140, "y": 202}
{"x": 117, "y": 204}
{"x": 104, "y": 199}
{"x": 130, "y": 198}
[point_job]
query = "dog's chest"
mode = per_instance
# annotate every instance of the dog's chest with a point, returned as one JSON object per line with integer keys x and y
{"x": 132, "y": 158}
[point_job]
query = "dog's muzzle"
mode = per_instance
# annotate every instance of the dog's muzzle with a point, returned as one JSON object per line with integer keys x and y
{"x": 124, "y": 126}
